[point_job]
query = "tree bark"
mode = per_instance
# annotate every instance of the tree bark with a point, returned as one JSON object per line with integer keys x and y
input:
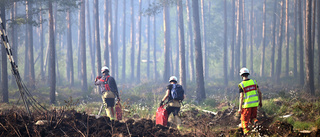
{"x": 190, "y": 37}
{"x": 132, "y": 40}
{"x": 97, "y": 34}
{"x": 301, "y": 44}
{"x": 318, "y": 42}
{"x": 110, "y": 40}
{"x": 225, "y": 47}
{"x": 139, "y": 45}
{"x": 52, "y": 68}
{"x": 124, "y": 43}
{"x": 232, "y": 41}
{"x": 295, "y": 64}
{"x": 264, "y": 40}
{"x": 91, "y": 47}
{"x": 182, "y": 63}
{"x": 15, "y": 37}
{"x": 70, "y": 70}
{"x": 287, "y": 38}
{"x": 244, "y": 37}
{"x": 204, "y": 42}
{"x": 155, "y": 48}
{"x": 148, "y": 42}
{"x": 309, "y": 52}
{"x": 201, "y": 94}
{"x": 238, "y": 37}
{"x": 106, "y": 57}
{"x": 26, "y": 58}
{"x": 4, "y": 66}
{"x": 115, "y": 41}
{"x": 251, "y": 38}
{"x": 83, "y": 47}
{"x": 166, "y": 19}
{"x": 279, "y": 60}
{"x": 273, "y": 42}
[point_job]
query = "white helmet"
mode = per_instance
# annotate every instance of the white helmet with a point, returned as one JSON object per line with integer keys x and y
{"x": 244, "y": 70}
{"x": 173, "y": 78}
{"x": 104, "y": 68}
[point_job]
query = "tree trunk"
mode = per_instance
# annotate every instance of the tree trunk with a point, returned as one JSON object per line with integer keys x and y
{"x": 279, "y": 60}
{"x": 52, "y": 68}
{"x": 244, "y": 37}
{"x": 301, "y": 44}
{"x": 70, "y": 70}
{"x": 97, "y": 34}
{"x": 4, "y": 66}
{"x": 264, "y": 40}
{"x": 166, "y": 19}
{"x": 295, "y": 64}
{"x": 155, "y": 48}
{"x": 225, "y": 47}
{"x": 106, "y": 57}
{"x": 201, "y": 94}
{"x": 287, "y": 38}
{"x": 273, "y": 42}
{"x": 148, "y": 48}
{"x": 84, "y": 87}
{"x": 15, "y": 37}
{"x": 191, "y": 57}
{"x": 110, "y": 41}
{"x": 31, "y": 75}
{"x": 182, "y": 63}
{"x": 176, "y": 66}
{"x": 26, "y": 58}
{"x": 91, "y": 47}
{"x": 78, "y": 46}
{"x": 124, "y": 43}
{"x": 115, "y": 43}
{"x": 41, "y": 38}
{"x": 238, "y": 38}
{"x": 233, "y": 41}
{"x": 251, "y": 38}
{"x": 204, "y": 42}
{"x": 318, "y": 41}
{"x": 309, "y": 52}
{"x": 139, "y": 45}
{"x": 132, "y": 40}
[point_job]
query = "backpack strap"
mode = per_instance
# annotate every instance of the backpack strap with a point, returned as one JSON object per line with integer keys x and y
{"x": 106, "y": 85}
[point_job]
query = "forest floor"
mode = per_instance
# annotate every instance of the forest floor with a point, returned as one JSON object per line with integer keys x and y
{"x": 285, "y": 112}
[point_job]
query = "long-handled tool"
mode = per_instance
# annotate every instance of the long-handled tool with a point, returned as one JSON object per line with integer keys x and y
{"x": 100, "y": 109}
{"x": 26, "y": 96}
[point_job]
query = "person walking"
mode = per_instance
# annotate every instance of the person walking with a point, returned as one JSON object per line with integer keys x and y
{"x": 250, "y": 99}
{"x": 109, "y": 91}
{"x": 174, "y": 94}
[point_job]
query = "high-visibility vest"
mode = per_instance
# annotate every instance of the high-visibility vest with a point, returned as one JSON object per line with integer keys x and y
{"x": 251, "y": 98}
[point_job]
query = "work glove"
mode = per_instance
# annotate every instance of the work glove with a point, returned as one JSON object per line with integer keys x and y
{"x": 161, "y": 103}
{"x": 98, "y": 77}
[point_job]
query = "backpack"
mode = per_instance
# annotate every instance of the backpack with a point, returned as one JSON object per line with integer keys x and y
{"x": 177, "y": 92}
{"x": 105, "y": 82}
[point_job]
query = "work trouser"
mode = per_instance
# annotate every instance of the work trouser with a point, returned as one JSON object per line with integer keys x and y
{"x": 248, "y": 115}
{"x": 176, "y": 118}
{"x": 109, "y": 104}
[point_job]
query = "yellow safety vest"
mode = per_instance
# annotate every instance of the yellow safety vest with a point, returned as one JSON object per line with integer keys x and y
{"x": 251, "y": 98}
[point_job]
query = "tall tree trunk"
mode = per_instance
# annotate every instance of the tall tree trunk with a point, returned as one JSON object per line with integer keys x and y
{"x": 26, "y": 58}
{"x": 70, "y": 70}
{"x": 225, "y": 47}
{"x": 201, "y": 94}
{"x": 287, "y": 38}
{"x": 91, "y": 47}
{"x": 204, "y": 42}
{"x": 176, "y": 66}
{"x": 166, "y": 19}
{"x": 309, "y": 52}
{"x": 244, "y": 37}
{"x": 124, "y": 43}
{"x": 318, "y": 42}
{"x": 4, "y": 66}
{"x": 31, "y": 75}
{"x": 155, "y": 48}
{"x": 139, "y": 45}
{"x": 79, "y": 41}
{"x": 116, "y": 41}
{"x": 97, "y": 34}
{"x": 110, "y": 41}
{"x": 232, "y": 72}
{"x": 313, "y": 28}
{"x": 279, "y": 60}
{"x": 15, "y": 37}
{"x": 132, "y": 40}
{"x": 182, "y": 63}
{"x": 148, "y": 48}
{"x": 84, "y": 87}
{"x": 238, "y": 37}
{"x": 42, "y": 73}
{"x": 251, "y": 38}
{"x": 52, "y": 68}
{"x": 273, "y": 42}
{"x": 191, "y": 57}
{"x": 301, "y": 44}
{"x": 264, "y": 39}
{"x": 295, "y": 64}
{"x": 106, "y": 35}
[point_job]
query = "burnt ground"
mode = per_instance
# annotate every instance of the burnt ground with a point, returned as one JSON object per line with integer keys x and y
{"x": 74, "y": 124}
